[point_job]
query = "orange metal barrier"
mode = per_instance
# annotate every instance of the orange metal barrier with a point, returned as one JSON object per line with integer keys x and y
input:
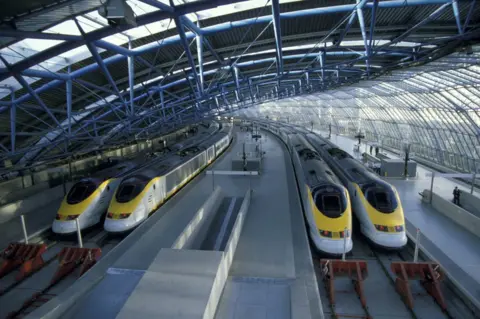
{"x": 356, "y": 270}
{"x": 428, "y": 273}
{"x": 70, "y": 258}
{"x": 26, "y": 256}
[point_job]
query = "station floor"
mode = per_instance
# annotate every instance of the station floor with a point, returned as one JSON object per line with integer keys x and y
{"x": 272, "y": 275}
{"x": 455, "y": 248}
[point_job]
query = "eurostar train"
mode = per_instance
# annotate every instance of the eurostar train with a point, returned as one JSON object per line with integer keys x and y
{"x": 326, "y": 202}
{"x": 89, "y": 198}
{"x": 143, "y": 192}
{"x": 375, "y": 202}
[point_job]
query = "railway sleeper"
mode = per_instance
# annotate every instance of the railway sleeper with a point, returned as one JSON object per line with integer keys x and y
{"x": 428, "y": 273}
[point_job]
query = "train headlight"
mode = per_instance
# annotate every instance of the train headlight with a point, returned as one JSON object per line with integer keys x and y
{"x": 124, "y": 215}
{"x": 109, "y": 215}
{"x": 325, "y": 233}
{"x": 72, "y": 217}
{"x": 58, "y": 217}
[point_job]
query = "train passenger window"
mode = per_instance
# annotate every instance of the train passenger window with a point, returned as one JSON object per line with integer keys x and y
{"x": 80, "y": 191}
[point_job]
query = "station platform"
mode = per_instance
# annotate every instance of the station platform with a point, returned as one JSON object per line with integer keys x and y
{"x": 455, "y": 248}
{"x": 271, "y": 275}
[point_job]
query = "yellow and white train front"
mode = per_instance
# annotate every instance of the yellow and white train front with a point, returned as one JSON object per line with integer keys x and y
{"x": 86, "y": 202}
{"x": 135, "y": 199}
{"x": 329, "y": 204}
{"x": 379, "y": 210}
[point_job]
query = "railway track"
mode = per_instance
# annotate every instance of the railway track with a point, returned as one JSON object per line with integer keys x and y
{"x": 60, "y": 266}
{"x": 378, "y": 298}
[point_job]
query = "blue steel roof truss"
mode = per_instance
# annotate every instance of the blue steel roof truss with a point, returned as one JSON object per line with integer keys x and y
{"x": 183, "y": 96}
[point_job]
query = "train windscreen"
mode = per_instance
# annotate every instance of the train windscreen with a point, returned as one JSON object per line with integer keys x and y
{"x": 330, "y": 200}
{"x": 381, "y": 197}
{"x": 80, "y": 191}
{"x": 130, "y": 188}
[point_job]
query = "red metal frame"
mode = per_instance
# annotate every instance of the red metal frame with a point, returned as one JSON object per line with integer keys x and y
{"x": 70, "y": 258}
{"x": 26, "y": 256}
{"x": 354, "y": 269}
{"x": 428, "y": 273}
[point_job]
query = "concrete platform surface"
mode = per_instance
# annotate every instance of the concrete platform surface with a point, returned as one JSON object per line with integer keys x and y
{"x": 176, "y": 285}
{"x": 453, "y": 246}
{"x": 272, "y": 247}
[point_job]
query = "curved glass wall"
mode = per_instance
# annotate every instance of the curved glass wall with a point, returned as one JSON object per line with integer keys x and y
{"x": 435, "y": 108}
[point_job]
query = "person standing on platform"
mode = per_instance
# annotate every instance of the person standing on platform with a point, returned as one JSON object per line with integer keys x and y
{"x": 371, "y": 149}
{"x": 456, "y": 195}
{"x": 376, "y": 151}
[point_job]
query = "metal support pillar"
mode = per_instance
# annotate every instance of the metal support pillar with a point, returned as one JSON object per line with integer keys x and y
{"x": 199, "y": 39}
{"x": 456, "y": 12}
{"x": 237, "y": 83}
{"x": 361, "y": 21}
{"x": 186, "y": 47}
{"x": 131, "y": 76}
{"x": 251, "y": 90}
{"x": 69, "y": 103}
{"x": 322, "y": 63}
{"x": 13, "y": 126}
{"x": 372, "y": 26}
{"x": 162, "y": 104}
{"x": 278, "y": 37}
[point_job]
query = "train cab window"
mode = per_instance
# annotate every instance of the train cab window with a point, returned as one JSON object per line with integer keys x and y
{"x": 129, "y": 189}
{"x": 80, "y": 191}
{"x": 329, "y": 201}
{"x": 382, "y": 199}
{"x": 331, "y": 205}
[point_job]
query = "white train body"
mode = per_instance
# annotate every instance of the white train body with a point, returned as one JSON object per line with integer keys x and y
{"x": 141, "y": 194}
{"x": 88, "y": 199}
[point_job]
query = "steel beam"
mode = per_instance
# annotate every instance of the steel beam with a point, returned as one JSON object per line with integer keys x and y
{"x": 237, "y": 83}
{"x": 69, "y": 104}
{"x": 431, "y": 17}
{"x": 13, "y": 121}
{"x": 193, "y": 7}
{"x": 199, "y": 39}
{"x": 361, "y": 21}
{"x": 162, "y": 103}
{"x": 353, "y": 15}
{"x": 456, "y": 12}
{"x": 131, "y": 81}
{"x": 278, "y": 36}
{"x": 372, "y": 27}
{"x": 469, "y": 15}
{"x": 186, "y": 47}
{"x": 103, "y": 67}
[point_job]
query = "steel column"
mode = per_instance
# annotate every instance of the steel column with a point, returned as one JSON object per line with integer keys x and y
{"x": 456, "y": 12}
{"x": 13, "y": 118}
{"x": 162, "y": 103}
{"x": 278, "y": 36}
{"x": 69, "y": 103}
{"x": 372, "y": 26}
{"x": 432, "y": 16}
{"x": 183, "y": 39}
{"x": 131, "y": 77}
{"x": 237, "y": 83}
{"x": 469, "y": 15}
{"x": 361, "y": 21}
{"x": 199, "y": 39}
